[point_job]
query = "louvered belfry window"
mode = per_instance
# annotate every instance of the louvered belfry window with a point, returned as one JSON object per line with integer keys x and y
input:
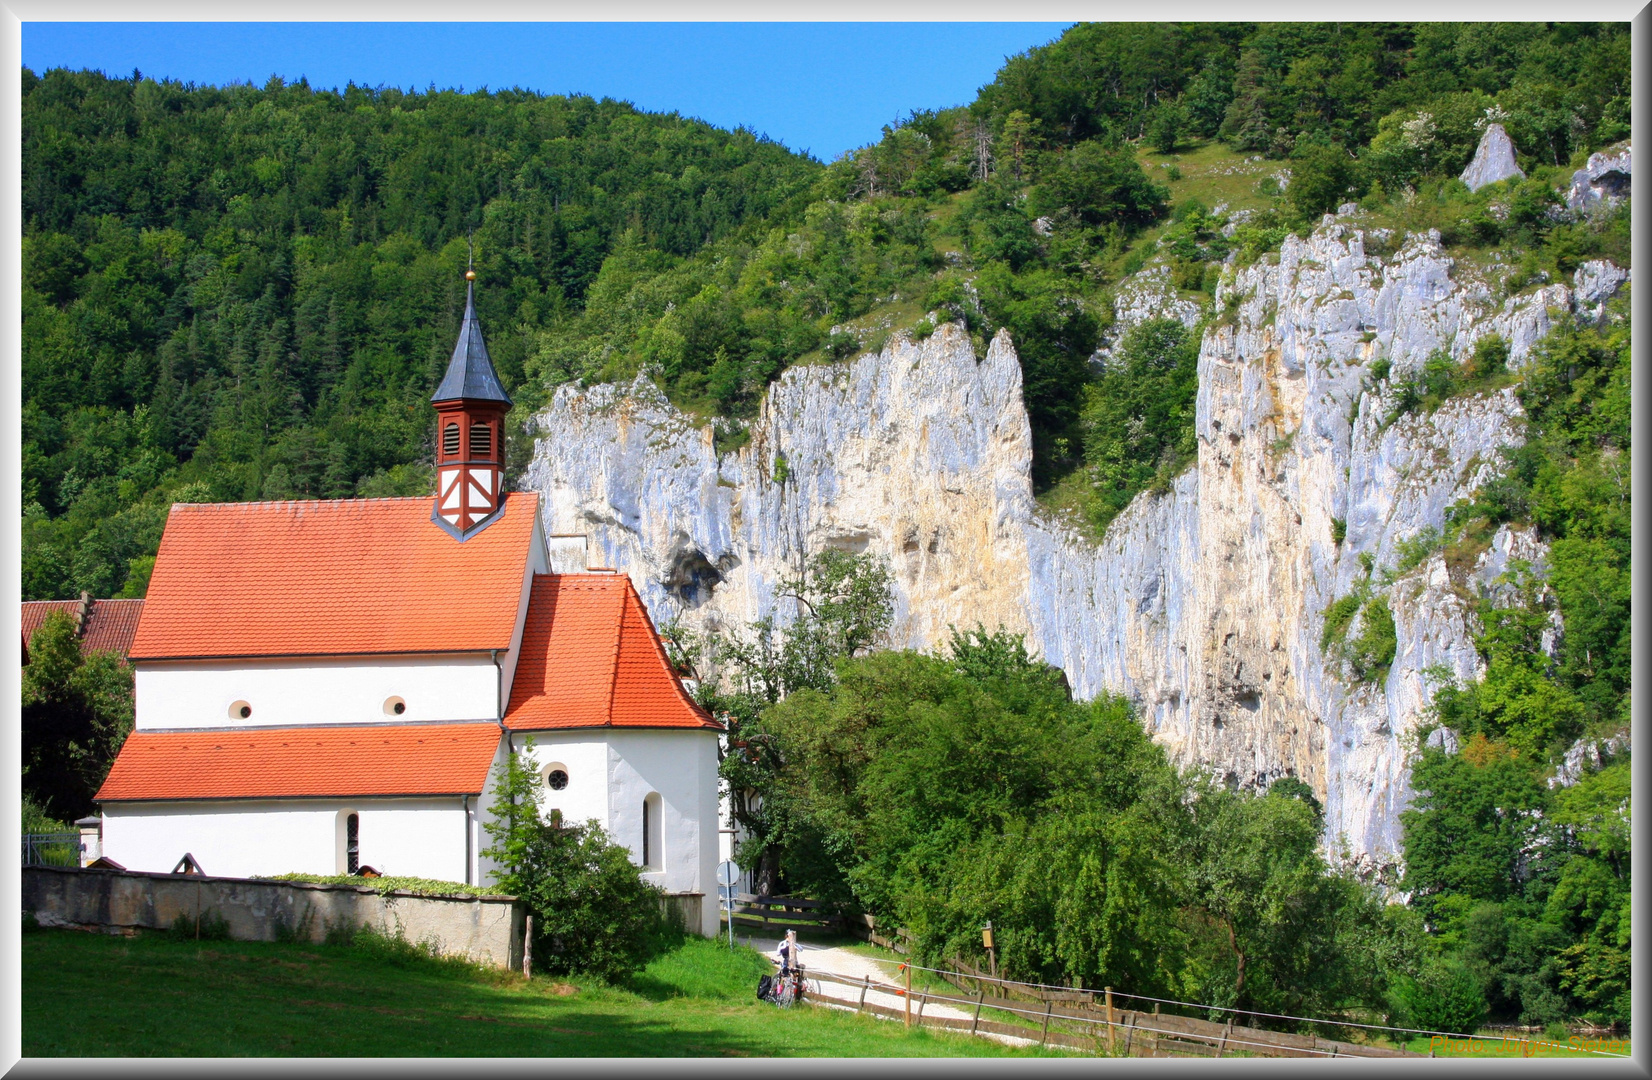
{"x": 481, "y": 441}
{"x": 450, "y": 441}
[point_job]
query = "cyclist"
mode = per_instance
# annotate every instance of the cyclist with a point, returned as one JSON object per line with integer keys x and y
{"x": 786, "y": 953}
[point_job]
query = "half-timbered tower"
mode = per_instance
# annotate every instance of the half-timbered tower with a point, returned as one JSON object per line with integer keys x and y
{"x": 470, "y": 431}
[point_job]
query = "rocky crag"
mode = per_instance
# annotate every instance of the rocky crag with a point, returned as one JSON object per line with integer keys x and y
{"x": 1205, "y": 604}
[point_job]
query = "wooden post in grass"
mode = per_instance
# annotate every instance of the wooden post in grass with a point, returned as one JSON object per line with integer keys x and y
{"x": 527, "y": 949}
{"x": 1109, "y": 992}
{"x": 1044, "y": 1039}
{"x": 866, "y": 980}
{"x": 1226, "y": 1031}
{"x": 1129, "y": 1033}
{"x": 908, "y": 995}
{"x": 980, "y": 999}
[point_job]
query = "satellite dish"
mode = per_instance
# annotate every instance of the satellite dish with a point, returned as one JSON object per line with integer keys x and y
{"x": 728, "y": 873}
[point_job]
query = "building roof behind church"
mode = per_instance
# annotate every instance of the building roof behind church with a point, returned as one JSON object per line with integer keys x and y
{"x": 332, "y": 577}
{"x": 591, "y": 658}
{"x": 109, "y": 627}
{"x": 318, "y": 762}
{"x": 470, "y": 371}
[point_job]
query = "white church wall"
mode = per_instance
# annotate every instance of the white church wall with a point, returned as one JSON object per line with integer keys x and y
{"x": 245, "y": 838}
{"x": 612, "y": 770}
{"x": 287, "y": 693}
{"x": 537, "y": 564}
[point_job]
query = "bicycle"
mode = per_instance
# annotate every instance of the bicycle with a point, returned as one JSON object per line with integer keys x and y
{"x": 782, "y": 990}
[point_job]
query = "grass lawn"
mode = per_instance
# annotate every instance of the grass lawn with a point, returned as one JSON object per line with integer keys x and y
{"x": 96, "y": 995}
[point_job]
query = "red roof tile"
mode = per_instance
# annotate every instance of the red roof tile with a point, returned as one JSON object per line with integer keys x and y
{"x": 109, "y": 628}
{"x": 591, "y": 658}
{"x": 268, "y": 763}
{"x": 338, "y": 576}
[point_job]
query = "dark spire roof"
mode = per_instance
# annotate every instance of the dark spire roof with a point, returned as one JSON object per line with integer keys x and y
{"x": 470, "y": 373}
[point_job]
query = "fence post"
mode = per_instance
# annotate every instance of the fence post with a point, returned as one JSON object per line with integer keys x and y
{"x": 908, "y": 995}
{"x": 527, "y": 948}
{"x": 1109, "y": 992}
{"x": 1044, "y": 1039}
{"x": 866, "y": 980}
{"x": 980, "y": 999}
{"x": 1226, "y": 1031}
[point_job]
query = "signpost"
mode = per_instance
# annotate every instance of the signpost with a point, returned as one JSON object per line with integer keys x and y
{"x": 728, "y": 873}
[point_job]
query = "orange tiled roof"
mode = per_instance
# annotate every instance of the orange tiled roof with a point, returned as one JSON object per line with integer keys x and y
{"x": 591, "y": 658}
{"x": 267, "y": 763}
{"x": 109, "y": 628}
{"x": 338, "y": 576}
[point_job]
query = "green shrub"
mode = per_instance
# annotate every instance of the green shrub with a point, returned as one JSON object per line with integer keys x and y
{"x": 1338, "y": 615}
{"x": 841, "y": 345}
{"x": 592, "y": 912}
{"x": 1370, "y": 653}
{"x": 1410, "y": 553}
{"x": 1322, "y": 177}
{"x": 1165, "y": 125}
{"x": 1339, "y": 531}
{"x": 1444, "y": 997}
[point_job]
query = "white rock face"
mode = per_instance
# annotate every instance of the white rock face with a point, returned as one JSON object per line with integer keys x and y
{"x": 1493, "y": 160}
{"x": 1603, "y": 182}
{"x": 1203, "y": 604}
{"x": 1146, "y": 295}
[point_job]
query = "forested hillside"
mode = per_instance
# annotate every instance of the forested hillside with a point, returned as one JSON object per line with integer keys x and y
{"x": 241, "y": 293}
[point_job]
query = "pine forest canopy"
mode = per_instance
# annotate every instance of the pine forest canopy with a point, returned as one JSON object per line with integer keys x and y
{"x": 241, "y": 292}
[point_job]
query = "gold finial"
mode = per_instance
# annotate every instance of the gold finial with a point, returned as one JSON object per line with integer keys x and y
{"x": 470, "y": 275}
{"x": 470, "y": 257}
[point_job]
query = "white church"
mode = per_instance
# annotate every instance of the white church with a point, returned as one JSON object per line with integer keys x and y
{"x": 335, "y": 684}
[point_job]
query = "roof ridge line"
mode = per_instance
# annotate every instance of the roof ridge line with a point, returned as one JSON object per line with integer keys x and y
{"x": 619, "y": 641}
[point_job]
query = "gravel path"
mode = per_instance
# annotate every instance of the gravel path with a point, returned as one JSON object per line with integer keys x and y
{"x": 851, "y": 965}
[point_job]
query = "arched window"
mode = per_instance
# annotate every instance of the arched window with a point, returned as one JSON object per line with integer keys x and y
{"x": 653, "y": 833}
{"x": 352, "y": 844}
{"x": 481, "y": 441}
{"x": 450, "y": 440}
{"x": 349, "y": 842}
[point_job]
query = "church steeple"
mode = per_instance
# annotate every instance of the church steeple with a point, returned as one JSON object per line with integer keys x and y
{"x": 470, "y": 427}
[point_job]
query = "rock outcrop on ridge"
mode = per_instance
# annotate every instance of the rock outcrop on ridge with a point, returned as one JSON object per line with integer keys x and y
{"x": 1205, "y": 603}
{"x": 1603, "y": 182}
{"x": 1493, "y": 160}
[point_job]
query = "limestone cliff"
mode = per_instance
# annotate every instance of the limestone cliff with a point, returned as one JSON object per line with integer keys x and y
{"x": 1203, "y": 603}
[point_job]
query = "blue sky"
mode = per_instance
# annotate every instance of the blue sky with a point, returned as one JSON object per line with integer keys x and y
{"x": 820, "y": 87}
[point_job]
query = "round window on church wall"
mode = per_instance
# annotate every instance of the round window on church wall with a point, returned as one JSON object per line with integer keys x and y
{"x": 556, "y": 779}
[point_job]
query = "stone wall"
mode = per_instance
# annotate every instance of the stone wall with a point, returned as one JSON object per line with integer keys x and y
{"x": 486, "y": 930}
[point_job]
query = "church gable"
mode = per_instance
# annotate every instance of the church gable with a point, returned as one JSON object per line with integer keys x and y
{"x": 591, "y": 658}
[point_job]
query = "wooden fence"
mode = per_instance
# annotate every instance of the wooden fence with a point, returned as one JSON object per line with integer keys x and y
{"x": 783, "y": 913}
{"x": 1082, "y": 1023}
